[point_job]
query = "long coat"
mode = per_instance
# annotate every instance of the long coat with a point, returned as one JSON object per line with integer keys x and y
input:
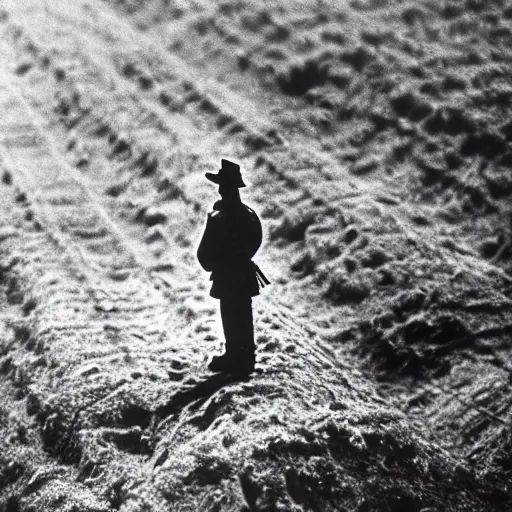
{"x": 231, "y": 238}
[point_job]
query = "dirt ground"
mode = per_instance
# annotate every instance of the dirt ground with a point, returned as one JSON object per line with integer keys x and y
{"x": 376, "y": 140}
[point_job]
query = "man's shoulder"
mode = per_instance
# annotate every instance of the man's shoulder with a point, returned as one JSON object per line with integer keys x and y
{"x": 243, "y": 212}
{"x": 216, "y": 216}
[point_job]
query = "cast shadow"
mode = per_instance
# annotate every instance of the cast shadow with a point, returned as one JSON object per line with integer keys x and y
{"x": 200, "y": 391}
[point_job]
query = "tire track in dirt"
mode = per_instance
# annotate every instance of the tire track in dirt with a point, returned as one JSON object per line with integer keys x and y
{"x": 63, "y": 200}
{"x": 69, "y": 205}
{"x": 161, "y": 271}
{"x": 32, "y": 357}
{"x": 170, "y": 81}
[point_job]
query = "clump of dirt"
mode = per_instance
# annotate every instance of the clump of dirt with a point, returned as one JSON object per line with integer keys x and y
{"x": 342, "y": 289}
{"x": 300, "y": 78}
{"x": 293, "y": 226}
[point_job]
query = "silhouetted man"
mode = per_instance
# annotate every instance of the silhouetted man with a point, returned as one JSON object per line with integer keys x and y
{"x": 230, "y": 240}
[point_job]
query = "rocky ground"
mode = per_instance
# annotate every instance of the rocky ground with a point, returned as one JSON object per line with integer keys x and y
{"x": 376, "y": 139}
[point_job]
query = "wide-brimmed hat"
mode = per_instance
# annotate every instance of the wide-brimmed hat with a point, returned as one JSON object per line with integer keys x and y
{"x": 229, "y": 174}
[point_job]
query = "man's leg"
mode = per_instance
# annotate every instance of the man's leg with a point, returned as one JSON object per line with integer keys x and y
{"x": 237, "y": 321}
{"x": 228, "y": 313}
{"x": 246, "y": 330}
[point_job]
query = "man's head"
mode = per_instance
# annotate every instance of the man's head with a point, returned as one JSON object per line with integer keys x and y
{"x": 228, "y": 177}
{"x": 228, "y": 192}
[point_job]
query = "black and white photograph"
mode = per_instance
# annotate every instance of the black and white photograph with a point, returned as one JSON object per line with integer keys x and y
{"x": 255, "y": 256}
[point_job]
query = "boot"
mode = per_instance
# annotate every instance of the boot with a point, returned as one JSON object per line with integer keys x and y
{"x": 242, "y": 365}
{"x": 219, "y": 363}
{"x": 233, "y": 366}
